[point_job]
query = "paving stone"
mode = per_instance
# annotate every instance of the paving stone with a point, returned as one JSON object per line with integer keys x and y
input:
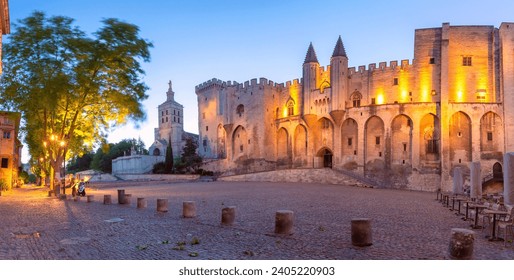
{"x": 406, "y": 224}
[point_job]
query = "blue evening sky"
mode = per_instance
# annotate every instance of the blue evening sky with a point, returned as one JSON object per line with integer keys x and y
{"x": 195, "y": 41}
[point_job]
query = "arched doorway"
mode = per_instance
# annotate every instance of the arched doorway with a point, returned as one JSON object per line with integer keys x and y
{"x": 497, "y": 172}
{"x": 327, "y": 155}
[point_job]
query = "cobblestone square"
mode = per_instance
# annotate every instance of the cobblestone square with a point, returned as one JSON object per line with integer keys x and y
{"x": 406, "y": 225}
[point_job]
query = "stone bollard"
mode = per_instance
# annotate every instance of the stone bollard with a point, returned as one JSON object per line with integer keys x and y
{"x": 121, "y": 196}
{"x": 90, "y": 198}
{"x": 141, "y": 202}
{"x": 461, "y": 244}
{"x": 162, "y": 205}
{"x": 76, "y": 198}
{"x": 127, "y": 199}
{"x": 50, "y": 193}
{"x": 284, "y": 222}
{"x": 188, "y": 209}
{"x": 107, "y": 199}
{"x": 228, "y": 215}
{"x": 361, "y": 232}
{"x": 63, "y": 196}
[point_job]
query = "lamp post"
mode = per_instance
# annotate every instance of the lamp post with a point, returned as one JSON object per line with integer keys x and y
{"x": 63, "y": 145}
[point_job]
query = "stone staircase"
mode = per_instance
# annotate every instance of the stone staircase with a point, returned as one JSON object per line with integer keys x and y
{"x": 320, "y": 176}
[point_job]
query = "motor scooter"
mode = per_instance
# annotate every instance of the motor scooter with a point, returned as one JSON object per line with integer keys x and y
{"x": 82, "y": 189}
{"x": 79, "y": 189}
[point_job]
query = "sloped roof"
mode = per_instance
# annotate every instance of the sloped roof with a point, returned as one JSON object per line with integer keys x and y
{"x": 311, "y": 55}
{"x": 339, "y": 49}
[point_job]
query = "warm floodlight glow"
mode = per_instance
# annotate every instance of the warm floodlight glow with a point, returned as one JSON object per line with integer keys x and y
{"x": 380, "y": 99}
{"x": 460, "y": 96}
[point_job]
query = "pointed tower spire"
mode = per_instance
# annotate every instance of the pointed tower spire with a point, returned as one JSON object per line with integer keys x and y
{"x": 339, "y": 48}
{"x": 311, "y": 55}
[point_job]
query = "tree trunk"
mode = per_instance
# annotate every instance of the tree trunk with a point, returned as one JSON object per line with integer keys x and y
{"x": 52, "y": 178}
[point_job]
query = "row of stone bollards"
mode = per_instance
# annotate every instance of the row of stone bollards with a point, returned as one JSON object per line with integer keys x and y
{"x": 284, "y": 219}
{"x": 460, "y": 247}
{"x": 188, "y": 208}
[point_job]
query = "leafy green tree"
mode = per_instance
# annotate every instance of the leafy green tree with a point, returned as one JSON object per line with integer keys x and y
{"x": 80, "y": 163}
{"x": 102, "y": 159}
{"x": 72, "y": 88}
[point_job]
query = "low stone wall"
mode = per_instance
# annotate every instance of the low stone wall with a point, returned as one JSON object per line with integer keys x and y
{"x": 95, "y": 176}
{"x": 323, "y": 176}
{"x": 158, "y": 177}
{"x": 137, "y": 164}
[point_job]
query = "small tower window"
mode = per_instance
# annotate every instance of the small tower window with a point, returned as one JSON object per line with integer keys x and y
{"x": 432, "y": 60}
{"x": 489, "y": 136}
{"x": 466, "y": 61}
{"x": 377, "y": 140}
{"x": 395, "y": 81}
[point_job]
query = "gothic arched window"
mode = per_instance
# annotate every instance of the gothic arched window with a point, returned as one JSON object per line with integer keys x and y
{"x": 356, "y": 99}
{"x": 290, "y": 108}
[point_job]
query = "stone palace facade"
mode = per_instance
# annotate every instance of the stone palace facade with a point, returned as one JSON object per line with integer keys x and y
{"x": 405, "y": 124}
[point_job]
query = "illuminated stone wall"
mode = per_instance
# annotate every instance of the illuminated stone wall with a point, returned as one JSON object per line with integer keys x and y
{"x": 10, "y": 147}
{"x": 404, "y": 123}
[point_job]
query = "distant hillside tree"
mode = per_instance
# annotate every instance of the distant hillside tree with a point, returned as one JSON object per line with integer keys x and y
{"x": 190, "y": 161}
{"x": 102, "y": 159}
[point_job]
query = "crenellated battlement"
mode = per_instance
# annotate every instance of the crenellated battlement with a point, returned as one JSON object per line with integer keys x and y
{"x": 256, "y": 83}
{"x": 382, "y": 66}
{"x": 239, "y": 86}
{"x": 213, "y": 83}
